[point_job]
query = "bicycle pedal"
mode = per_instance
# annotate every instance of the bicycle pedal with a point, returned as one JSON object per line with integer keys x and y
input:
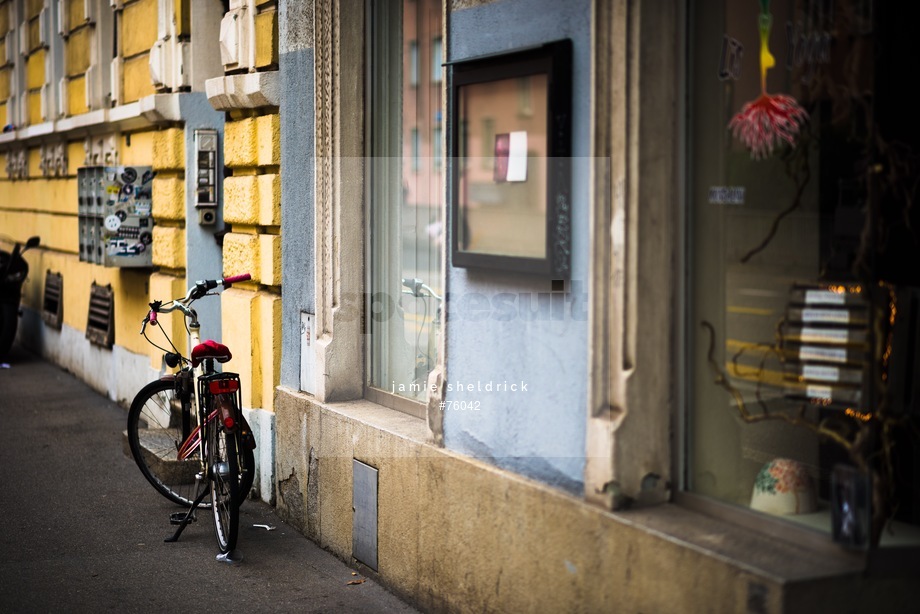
{"x": 179, "y": 517}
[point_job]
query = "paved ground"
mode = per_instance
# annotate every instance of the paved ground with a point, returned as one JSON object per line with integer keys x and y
{"x": 83, "y": 531}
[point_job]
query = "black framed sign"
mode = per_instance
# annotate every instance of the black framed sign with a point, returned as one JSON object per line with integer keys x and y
{"x": 511, "y": 168}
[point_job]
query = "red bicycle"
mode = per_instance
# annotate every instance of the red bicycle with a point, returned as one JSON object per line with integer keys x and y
{"x": 186, "y": 430}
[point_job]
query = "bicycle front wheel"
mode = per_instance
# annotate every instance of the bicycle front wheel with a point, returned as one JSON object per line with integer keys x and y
{"x": 225, "y": 479}
{"x": 158, "y": 425}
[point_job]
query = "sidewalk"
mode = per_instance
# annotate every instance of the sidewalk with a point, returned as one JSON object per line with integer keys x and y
{"x": 83, "y": 531}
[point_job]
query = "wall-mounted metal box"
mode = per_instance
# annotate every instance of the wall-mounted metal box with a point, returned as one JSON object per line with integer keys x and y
{"x": 115, "y": 222}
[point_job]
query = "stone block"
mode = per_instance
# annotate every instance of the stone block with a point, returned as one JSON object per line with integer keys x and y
{"x": 169, "y": 247}
{"x": 241, "y": 254}
{"x": 168, "y": 198}
{"x": 169, "y": 149}
{"x": 241, "y": 199}
{"x": 269, "y": 139}
{"x": 240, "y": 143}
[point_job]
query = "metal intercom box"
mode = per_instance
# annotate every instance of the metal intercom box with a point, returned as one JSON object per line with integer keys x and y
{"x": 114, "y": 212}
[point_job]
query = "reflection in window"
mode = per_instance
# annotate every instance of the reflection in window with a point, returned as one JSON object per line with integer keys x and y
{"x": 503, "y": 196}
{"x": 405, "y": 204}
{"x": 779, "y": 298}
{"x": 413, "y": 62}
{"x": 525, "y": 106}
{"x": 436, "y": 144}
{"x": 436, "y": 60}
{"x": 487, "y": 146}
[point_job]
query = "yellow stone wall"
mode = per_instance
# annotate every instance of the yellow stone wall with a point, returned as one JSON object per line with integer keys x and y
{"x": 164, "y": 287}
{"x": 167, "y": 155}
{"x": 138, "y": 34}
{"x": 5, "y": 15}
{"x": 7, "y": 70}
{"x": 47, "y": 207}
{"x": 252, "y": 210}
{"x": 33, "y": 61}
{"x": 251, "y": 194}
{"x": 78, "y": 54}
{"x": 76, "y": 96}
{"x": 75, "y": 12}
{"x": 130, "y": 287}
{"x": 266, "y": 26}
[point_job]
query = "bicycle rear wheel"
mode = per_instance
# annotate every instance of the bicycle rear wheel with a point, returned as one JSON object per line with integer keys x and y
{"x": 155, "y": 433}
{"x": 225, "y": 478}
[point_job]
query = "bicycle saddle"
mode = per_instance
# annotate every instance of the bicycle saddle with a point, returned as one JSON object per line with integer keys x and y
{"x": 210, "y": 349}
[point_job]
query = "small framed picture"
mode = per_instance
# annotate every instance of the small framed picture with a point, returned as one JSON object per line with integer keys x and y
{"x": 851, "y": 511}
{"x": 510, "y": 149}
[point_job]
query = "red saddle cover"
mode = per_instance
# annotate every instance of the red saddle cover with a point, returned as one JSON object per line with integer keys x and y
{"x": 210, "y": 349}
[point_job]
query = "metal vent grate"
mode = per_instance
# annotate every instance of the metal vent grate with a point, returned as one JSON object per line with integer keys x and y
{"x": 100, "y": 324}
{"x": 364, "y": 521}
{"x": 53, "y": 301}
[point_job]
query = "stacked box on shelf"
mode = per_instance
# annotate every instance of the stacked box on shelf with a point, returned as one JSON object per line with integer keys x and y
{"x": 825, "y": 342}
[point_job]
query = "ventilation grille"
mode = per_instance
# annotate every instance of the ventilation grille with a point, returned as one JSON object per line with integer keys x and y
{"x": 53, "y": 301}
{"x": 100, "y": 325}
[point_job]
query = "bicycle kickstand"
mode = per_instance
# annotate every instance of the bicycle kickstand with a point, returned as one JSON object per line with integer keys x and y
{"x": 189, "y": 517}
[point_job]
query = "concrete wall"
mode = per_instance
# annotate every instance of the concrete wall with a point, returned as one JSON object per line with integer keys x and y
{"x": 297, "y": 189}
{"x": 204, "y": 259}
{"x": 458, "y": 535}
{"x": 251, "y": 311}
{"x": 541, "y": 339}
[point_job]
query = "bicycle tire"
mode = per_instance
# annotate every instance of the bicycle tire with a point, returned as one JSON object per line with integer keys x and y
{"x": 155, "y": 435}
{"x": 225, "y": 481}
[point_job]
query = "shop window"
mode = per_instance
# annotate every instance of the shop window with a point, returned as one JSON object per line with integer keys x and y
{"x": 803, "y": 164}
{"x": 405, "y": 205}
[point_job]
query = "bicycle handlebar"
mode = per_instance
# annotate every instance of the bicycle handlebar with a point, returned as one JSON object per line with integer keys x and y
{"x": 416, "y": 287}
{"x": 229, "y": 281}
{"x": 199, "y": 290}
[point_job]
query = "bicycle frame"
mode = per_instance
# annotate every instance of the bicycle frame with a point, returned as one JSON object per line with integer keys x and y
{"x": 210, "y": 395}
{"x": 193, "y": 372}
{"x": 186, "y": 378}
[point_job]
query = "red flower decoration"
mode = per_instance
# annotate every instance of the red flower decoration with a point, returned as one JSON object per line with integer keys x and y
{"x": 773, "y": 118}
{"x": 767, "y": 122}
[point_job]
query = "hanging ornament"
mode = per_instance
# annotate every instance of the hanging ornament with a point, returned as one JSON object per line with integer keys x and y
{"x": 771, "y": 119}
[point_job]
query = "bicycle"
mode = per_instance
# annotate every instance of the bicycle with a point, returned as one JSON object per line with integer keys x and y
{"x": 425, "y": 358}
{"x": 193, "y": 443}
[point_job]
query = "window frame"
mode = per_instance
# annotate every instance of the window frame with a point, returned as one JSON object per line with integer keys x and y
{"x": 361, "y": 29}
{"x": 819, "y": 541}
{"x": 554, "y": 60}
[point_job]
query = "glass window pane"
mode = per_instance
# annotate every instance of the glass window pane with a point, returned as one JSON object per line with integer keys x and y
{"x": 785, "y": 125}
{"x": 413, "y": 62}
{"x": 436, "y": 60}
{"x": 405, "y": 204}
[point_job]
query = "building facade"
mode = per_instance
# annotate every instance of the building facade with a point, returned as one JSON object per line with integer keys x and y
{"x": 555, "y": 306}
